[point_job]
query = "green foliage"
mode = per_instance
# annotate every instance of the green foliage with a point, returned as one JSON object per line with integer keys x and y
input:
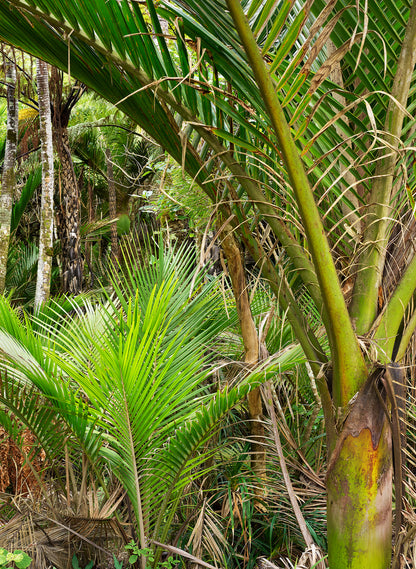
{"x": 21, "y": 272}
{"x": 90, "y": 109}
{"x": 148, "y": 554}
{"x": 3, "y": 127}
{"x": 76, "y": 565}
{"x": 32, "y": 183}
{"x": 123, "y": 225}
{"x": 17, "y": 558}
{"x": 125, "y": 381}
{"x": 225, "y": 134}
{"x": 180, "y": 196}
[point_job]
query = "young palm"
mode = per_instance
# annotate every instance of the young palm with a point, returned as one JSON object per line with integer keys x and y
{"x": 125, "y": 380}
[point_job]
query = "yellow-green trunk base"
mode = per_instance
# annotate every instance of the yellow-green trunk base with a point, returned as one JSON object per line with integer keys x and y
{"x": 359, "y": 485}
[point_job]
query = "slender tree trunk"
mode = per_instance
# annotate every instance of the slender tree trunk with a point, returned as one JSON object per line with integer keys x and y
{"x": 8, "y": 181}
{"x": 43, "y": 283}
{"x": 72, "y": 262}
{"x": 112, "y": 205}
{"x": 252, "y": 354}
{"x": 359, "y": 476}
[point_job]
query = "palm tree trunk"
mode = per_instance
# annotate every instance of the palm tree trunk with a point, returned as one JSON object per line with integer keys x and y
{"x": 43, "y": 282}
{"x": 88, "y": 243}
{"x": 8, "y": 181}
{"x": 359, "y": 486}
{"x": 69, "y": 216}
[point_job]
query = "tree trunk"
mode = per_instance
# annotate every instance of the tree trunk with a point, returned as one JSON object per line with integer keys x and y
{"x": 43, "y": 282}
{"x": 88, "y": 243}
{"x": 8, "y": 181}
{"x": 69, "y": 216}
{"x": 252, "y": 354}
{"x": 112, "y": 205}
{"x": 359, "y": 486}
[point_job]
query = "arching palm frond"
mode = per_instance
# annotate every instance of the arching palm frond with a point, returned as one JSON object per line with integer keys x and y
{"x": 127, "y": 379}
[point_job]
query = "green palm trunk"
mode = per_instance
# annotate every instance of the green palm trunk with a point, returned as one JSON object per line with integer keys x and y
{"x": 359, "y": 493}
{"x": 359, "y": 477}
{"x": 359, "y": 487}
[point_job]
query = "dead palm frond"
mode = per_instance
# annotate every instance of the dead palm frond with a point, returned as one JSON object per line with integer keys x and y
{"x": 51, "y": 533}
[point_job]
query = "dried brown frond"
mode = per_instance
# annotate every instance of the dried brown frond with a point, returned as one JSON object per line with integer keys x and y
{"x": 311, "y": 558}
{"x": 21, "y": 465}
{"x": 400, "y": 251}
{"x": 52, "y": 535}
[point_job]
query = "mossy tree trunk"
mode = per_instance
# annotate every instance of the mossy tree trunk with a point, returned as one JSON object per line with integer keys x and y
{"x": 359, "y": 486}
{"x": 43, "y": 282}
{"x": 8, "y": 179}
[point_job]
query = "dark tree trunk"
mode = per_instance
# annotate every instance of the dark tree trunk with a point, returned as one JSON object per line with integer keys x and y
{"x": 69, "y": 217}
{"x": 69, "y": 214}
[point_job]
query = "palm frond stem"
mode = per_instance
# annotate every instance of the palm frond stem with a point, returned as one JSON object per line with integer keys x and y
{"x": 392, "y": 316}
{"x": 349, "y": 367}
{"x": 370, "y": 264}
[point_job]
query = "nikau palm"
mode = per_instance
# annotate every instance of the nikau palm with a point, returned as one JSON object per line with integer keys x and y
{"x": 246, "y": 106}
{"x": 124, "y": 381}
{"x": 69, "y": 226}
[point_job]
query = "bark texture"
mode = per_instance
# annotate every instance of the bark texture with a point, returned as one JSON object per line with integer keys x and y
{"x": 69, "y": 217}
{"x": 8, "y": 180}
{"x": 43, "y": 282}
{"x": 22, "y": 466}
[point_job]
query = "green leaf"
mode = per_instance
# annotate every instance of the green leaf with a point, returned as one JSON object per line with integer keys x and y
{"x": 22, "y": 560}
